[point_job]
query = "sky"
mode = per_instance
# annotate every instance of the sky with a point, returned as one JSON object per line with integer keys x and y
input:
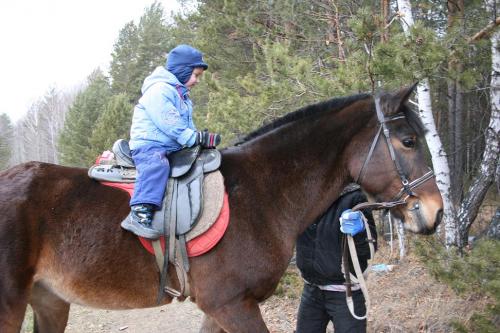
{"x": 57, "y": 43}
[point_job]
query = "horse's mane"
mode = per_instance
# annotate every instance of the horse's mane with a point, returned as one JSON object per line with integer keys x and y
{"x": 307, "y": 111}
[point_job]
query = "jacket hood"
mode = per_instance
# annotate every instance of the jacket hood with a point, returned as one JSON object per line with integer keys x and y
{"x": 161, "y": 74}
{"x": 182, "y": 60}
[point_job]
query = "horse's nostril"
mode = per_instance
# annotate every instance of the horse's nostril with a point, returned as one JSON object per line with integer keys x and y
{"x": 439, "y": 217}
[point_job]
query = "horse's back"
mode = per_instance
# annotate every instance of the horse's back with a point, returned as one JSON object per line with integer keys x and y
{"x": 17, "y": 182}
{"x": 30, "y": 188}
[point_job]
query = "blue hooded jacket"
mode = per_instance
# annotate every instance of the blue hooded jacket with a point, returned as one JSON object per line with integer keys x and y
{"x": 182, "y": 60}
{"x": 163, "y": 115}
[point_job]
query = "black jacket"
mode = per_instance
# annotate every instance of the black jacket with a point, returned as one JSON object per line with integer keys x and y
{"x": 319, "y": 248}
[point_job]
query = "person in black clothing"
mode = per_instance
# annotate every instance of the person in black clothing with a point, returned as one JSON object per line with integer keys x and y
{"x": 319, "y": 259}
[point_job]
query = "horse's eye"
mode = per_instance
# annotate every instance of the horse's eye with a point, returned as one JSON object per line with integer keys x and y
{"x": 409, "y": 142}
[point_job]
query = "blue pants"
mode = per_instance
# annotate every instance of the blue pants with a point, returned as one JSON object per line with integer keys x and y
{"x": 318, "y": 307}
{"x": 152, "y": 174}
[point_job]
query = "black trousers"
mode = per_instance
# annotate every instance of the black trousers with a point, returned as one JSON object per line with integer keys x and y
{"x": 318, "y": 307}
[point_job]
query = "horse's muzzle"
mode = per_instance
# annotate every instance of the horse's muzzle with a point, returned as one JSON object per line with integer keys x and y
{"x": 421, "y": 221}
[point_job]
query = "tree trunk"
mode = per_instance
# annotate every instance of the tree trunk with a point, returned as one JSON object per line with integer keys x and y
{"x": 436, "y": 149}
{"x": 489, "y": 164}
{"x": 457, "y": 189}
{"x": 384, "y": 8}
{"x": 401, "y": 239}
{"x": 452, "y": 92}
{"x": 455, "y": 104}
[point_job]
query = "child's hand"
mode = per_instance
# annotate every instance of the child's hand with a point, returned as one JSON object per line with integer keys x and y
{"x": 207, "y": 139}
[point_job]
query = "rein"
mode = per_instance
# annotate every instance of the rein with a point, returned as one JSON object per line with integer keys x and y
{"x": 400, "y": 199}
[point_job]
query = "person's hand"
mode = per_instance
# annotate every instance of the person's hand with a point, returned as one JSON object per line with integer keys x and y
{"x": 351, "y": 222}
{"x": 207, "y": 139}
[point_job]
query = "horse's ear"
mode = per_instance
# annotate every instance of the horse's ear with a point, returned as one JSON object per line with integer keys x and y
{"x": 402, "y": 96}
{"x": 392, "y": 102}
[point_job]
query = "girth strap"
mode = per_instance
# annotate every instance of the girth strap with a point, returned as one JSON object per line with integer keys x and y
{"x": 175, "y": 252}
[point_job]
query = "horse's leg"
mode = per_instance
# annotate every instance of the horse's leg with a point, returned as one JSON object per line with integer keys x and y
{"x": 15, "y": 280}
{"x": 241, "y": 316}
{"x": 13, "y": 304}
{"x": 209, "y": 325}
{"x": 49, "y": 311}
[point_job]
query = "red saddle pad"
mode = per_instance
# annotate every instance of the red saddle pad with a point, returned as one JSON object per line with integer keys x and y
{"x": 198, "y": 245}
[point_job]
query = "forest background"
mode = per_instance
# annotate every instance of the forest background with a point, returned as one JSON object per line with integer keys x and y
{"x": 271, "y": 57}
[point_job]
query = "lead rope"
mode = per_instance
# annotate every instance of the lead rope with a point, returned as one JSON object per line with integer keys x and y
{"x": 389, "y": 218}
{"x": 360, "y": 276}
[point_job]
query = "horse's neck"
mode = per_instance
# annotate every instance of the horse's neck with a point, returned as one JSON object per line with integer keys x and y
{"x": 290, "y": 175}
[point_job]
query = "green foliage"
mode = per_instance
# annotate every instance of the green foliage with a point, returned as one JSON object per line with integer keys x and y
{"x": 74, "y": 141}
{"x": 153, "y": 44}
{"x": 476, "y": 272}
{"x": 290, "y": 285}
{"x": 5, "y": 140}
{"x": 268, "y": 58}
{"x": 123, "y": 67}
{"x": 483, "y": 322}
{"x": 102, "y": 112}
{"x": 138, "y": 50}
{"x": 113, "y": 124}
{"x": 405, "y": 59}
{"x": 364, "y": 25}
{"x": 280, "y": 84}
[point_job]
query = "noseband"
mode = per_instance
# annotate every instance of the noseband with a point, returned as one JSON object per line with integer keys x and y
{"x": 407, "y": 186}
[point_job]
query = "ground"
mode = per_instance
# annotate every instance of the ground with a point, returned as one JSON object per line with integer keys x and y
{"x": 405, "y": 299}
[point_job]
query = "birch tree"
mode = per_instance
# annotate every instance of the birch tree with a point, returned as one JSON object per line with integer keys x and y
{"x": 489, "y": 168}
{"x": 36, "y": 134}
{"x": 53, "y": 108}
{"x": 439, "y": 160}
{"x": 5, "y": 140}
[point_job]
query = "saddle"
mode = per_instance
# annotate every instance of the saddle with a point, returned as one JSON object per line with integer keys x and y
{"x": 184, "y": 194}
{"x": 182, "y": 206}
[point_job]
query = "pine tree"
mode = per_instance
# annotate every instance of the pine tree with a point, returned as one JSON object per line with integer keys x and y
{"x": 74, "y": 145}
{"x": 269, "y": 58}
{"x": 123, "y": 67}
{"x": 153, "y": 44}
{"x": 281, "y": 84}
{"x": 113, "y": 124}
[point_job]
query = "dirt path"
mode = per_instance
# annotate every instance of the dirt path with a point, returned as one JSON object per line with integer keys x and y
{"x": 178, "y": 317}
{"x": 406, "y": 299}
{"x": 173, "y": 318}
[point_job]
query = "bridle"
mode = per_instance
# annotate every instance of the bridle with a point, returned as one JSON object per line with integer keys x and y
{"x": 407, "y": 186}
{"x": 348, "y": 245}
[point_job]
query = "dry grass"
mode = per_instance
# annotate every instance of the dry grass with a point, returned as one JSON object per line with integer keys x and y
{"x": 406, "y": 299}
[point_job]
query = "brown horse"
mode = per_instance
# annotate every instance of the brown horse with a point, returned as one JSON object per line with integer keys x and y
{"x": 61, "y": 241}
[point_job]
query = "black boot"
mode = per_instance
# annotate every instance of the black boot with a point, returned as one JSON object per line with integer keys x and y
{"x": 139, "y": 221}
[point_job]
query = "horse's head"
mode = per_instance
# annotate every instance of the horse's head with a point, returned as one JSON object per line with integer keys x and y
{"x": 387, "y": 159}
